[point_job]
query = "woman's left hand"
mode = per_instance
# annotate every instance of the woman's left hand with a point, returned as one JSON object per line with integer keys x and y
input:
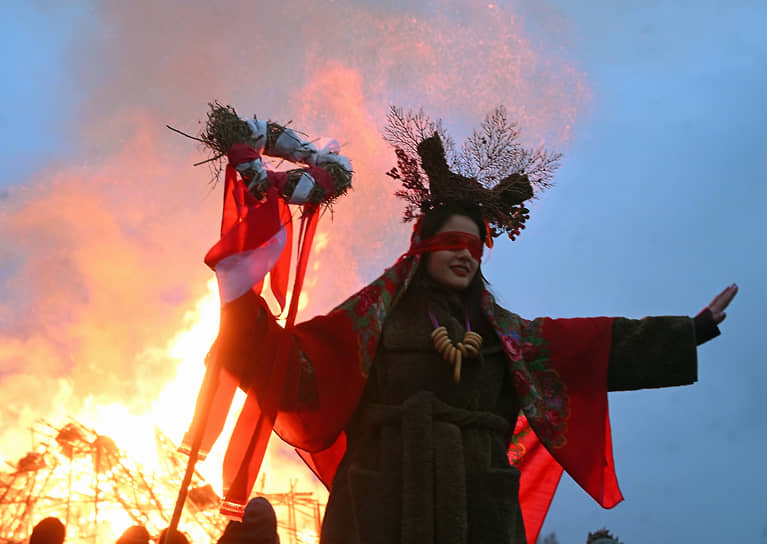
{"x": 721, "y": 301}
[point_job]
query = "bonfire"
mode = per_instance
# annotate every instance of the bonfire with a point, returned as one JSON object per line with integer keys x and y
{"x": 98, "y": 490}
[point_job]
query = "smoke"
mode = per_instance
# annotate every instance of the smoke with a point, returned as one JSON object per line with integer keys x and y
{"x": 102, "y": 253}
{"x": 105, "y": 260}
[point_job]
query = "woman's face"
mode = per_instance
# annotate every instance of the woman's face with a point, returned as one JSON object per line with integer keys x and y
{"x": 454, "y": 268}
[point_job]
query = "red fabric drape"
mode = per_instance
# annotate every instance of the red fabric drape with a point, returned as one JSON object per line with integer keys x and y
{"x": 250, "y": 437}
{"x": 280, "y": 274}
{"x": 540, "y": 475}
{"x": 580, "y": 353}
{"x": 246, "y": 224}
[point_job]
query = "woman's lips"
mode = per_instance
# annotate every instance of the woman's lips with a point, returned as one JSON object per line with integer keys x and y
{"x": 460, "y": 270}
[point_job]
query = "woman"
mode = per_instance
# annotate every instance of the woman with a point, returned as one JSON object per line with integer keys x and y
{"x": 459, "y": 485}
{"x": 472, "y": 495}
{"x": 425, "y": 457}
{"x": 409, "y": 399}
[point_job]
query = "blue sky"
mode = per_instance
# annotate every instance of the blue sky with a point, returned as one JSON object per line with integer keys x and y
{"x": 667, "y": 166}
{"x": 40, "y": 93}
{"x": 657, "y": 207}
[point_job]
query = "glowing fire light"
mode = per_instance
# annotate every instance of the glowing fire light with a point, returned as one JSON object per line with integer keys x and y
{"x": 307, "y": 537}
{"x": 91, "y": 479}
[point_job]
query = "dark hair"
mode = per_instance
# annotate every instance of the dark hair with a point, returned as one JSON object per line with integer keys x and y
{"x": 48, "y": 531}
{"x": 137, "y": 534}
{"x": 470, "y": 299}
{"x": 174, "y": 537}
{"x": 258, "y": 525}
{"x": 433, "y": 219}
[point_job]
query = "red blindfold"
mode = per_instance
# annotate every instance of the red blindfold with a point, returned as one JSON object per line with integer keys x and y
{"x": 450, "y": 240}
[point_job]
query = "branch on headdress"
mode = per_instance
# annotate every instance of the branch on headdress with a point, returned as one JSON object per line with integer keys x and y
{"x": 414, "y": 188}
{"x": 540, "y": 166}
{"x": 489, "y": 153}
{"x": 405, "y": 130}
{"x": 493, "y": 169}
{"x": 493, "y": 153}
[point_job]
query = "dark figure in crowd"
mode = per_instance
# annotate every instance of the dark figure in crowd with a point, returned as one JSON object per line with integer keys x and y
{"x": 602, "y": 536}
{"x": 175, "y": 537}
{"x": 258, "y": 526}
{"x": 48, "y": 531}
{"x": 137, "y": 534}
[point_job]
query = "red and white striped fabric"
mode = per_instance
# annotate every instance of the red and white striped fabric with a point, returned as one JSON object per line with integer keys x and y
{"x": 255, "y": 240}
{"x": 253, "y": 237}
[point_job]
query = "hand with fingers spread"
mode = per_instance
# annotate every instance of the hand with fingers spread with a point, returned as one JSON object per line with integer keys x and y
{"x": 721, "y": 301}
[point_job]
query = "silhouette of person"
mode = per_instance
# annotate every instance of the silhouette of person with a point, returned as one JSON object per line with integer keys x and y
{"x": 258, "y": 525}
{"x": 176, "y": 537}
{"x": 137, "y": 534}
{"x": 48, "y": 531}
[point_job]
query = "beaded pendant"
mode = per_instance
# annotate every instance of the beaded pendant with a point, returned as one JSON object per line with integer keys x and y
{"x": 454, "y": 353}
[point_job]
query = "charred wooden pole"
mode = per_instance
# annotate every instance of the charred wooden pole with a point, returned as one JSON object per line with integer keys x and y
{"x": 69, "y": 486}
{"x": 204, "y": 402}
{"x": 292, "y": 512}
{"x": 96, "y": 494}
{"x": 317, "y": 518}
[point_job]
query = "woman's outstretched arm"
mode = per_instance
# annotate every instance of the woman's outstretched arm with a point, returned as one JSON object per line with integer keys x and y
{"x": 661, "y": 351}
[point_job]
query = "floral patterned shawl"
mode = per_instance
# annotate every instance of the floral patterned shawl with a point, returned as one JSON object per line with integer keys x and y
{"x": 559, "y": 371}
{"x": 558, "y": 367}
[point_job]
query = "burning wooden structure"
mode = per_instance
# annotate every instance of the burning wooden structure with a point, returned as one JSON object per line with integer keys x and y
{"x": 98, "y": 490}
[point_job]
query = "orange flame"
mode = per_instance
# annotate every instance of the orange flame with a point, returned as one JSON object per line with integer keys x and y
{"x": 107, "y": 310}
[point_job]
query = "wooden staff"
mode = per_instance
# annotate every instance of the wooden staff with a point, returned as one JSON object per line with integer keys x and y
{"x": 204, "y": 402}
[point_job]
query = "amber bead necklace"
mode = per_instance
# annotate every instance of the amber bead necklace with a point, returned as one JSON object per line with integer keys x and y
{"x": 455, "y": 352}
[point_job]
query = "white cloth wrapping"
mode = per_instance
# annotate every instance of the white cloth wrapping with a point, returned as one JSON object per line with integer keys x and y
{"x": 329, "y": 154}
{"x": 258, "y": 131}
{"x": 289, "y": 146}
{"x": 238, "y": 273}
{"x": 322, "y": 158}
{"x": 331, "y": 146}
{"x": 303, "y": 189}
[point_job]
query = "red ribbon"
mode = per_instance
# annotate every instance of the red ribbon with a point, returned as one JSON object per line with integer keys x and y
{"x": 450, "y": 240}
{"x": 240, "y": 153}
{"x": 251, "y": 434}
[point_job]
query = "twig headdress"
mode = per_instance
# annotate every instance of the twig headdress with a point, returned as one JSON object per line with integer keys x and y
{"x": 492, "y": 170}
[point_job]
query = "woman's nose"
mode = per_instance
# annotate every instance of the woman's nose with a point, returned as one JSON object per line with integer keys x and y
{"x": 464, "y": 252}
